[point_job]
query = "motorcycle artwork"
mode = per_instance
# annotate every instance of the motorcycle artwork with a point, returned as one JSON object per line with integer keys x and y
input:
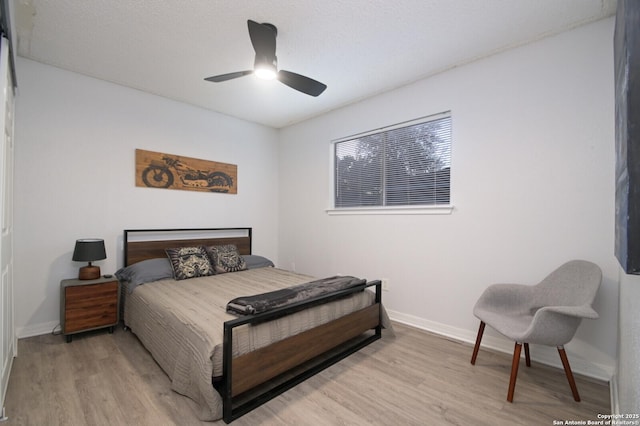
{"x": 173, "y": 172}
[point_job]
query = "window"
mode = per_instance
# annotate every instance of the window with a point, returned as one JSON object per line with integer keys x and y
{"x": 405, "y": 165}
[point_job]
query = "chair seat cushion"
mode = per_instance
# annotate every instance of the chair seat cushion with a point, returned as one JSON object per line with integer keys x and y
{"x": 514, "y": 326}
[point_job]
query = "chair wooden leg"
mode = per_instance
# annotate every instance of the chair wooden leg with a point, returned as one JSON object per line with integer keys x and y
{"x": 567, "y": 370}
{"x": 477, "y": 346}
{"x": 514, "y": 371}
{"x": 527, "y": 358}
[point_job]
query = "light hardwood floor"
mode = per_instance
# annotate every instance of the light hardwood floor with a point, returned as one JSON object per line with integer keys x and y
{"x": 414, "y": 378}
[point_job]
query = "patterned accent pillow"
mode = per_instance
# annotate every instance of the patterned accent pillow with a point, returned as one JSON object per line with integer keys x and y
{"x": 189, "y": 262}
{"x": 226, "y": 258}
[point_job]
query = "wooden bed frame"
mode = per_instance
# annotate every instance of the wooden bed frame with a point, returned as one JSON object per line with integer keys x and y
{"x": 252, "y": 379}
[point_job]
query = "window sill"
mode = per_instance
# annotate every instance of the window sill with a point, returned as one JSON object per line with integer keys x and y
{"x": 421, "y": 210}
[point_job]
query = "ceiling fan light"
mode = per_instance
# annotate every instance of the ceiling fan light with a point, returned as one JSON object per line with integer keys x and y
{"x": 265, "y": 73}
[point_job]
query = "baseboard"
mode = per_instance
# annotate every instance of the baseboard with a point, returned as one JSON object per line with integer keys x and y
{"x": 613, "y": 388}
{"x": 580, "y": 360}
{"x": 36, "y": 329}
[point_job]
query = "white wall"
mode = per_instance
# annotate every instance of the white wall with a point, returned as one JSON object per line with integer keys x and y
{"x": 74, "y": 178}
{"x": 532, "y": 186}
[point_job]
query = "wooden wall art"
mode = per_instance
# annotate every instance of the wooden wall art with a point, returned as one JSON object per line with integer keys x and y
{"x": 159, "y": 170}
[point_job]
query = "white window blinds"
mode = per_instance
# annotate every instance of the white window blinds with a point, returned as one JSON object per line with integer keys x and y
{"x": 405, "y": 165}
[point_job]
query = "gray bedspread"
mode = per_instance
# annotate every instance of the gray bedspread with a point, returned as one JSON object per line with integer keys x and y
{"x": 264, "y": 302}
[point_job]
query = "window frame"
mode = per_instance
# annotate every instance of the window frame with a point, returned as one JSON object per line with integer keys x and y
{"x": 422, "y": 209}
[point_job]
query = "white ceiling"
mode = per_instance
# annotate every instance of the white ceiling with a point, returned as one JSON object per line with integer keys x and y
{"x": 358, "y": 48}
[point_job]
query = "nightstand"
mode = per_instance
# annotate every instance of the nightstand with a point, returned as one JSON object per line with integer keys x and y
{"x": 89, "y": 305}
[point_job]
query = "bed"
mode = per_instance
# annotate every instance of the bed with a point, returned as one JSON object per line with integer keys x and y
{"x": 229, "y": 364}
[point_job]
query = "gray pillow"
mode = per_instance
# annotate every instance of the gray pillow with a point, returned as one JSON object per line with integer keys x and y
{"x": 145, "y": 272}
{"x": 254, "y": 261}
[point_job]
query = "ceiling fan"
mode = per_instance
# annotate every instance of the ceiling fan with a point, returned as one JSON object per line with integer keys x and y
{"x": 263, "y": 38}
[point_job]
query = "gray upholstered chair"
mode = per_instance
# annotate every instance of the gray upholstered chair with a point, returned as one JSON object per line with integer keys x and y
{"x": 548, "y": 313}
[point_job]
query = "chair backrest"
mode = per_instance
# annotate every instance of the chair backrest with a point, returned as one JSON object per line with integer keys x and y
{"x": 573, "y": 284}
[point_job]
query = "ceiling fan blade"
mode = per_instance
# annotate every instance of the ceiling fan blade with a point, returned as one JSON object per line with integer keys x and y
{"x": 301, "y": 83}
{"x": 263, "y": 39}
{"x": 230, "y": 76}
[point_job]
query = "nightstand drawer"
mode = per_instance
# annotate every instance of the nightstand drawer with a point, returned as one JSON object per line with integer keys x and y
{"x": 88, "y": 305}
{"x": 81, "y": 320}
{"x": 84, "y": 296}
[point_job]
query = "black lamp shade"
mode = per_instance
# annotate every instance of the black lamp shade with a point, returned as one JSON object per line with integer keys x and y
{"x": 89, "y": 250}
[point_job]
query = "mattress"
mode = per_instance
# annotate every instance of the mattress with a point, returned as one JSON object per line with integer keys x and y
{"x": 181, "y": 324}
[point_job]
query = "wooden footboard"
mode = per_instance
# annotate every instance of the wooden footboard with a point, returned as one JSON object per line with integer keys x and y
{"x": 250, "y": 374}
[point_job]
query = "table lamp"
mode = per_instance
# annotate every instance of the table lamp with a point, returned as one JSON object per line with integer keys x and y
{"x": 89, "y": 250}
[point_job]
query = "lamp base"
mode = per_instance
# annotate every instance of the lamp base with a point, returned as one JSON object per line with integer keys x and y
{"x": 89, "y": 272}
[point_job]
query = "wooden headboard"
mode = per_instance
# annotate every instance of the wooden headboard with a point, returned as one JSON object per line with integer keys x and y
{"x": 143, "y": 244}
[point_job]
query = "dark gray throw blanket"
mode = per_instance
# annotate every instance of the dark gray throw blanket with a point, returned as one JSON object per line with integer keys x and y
{"x": 250, "y": 305}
